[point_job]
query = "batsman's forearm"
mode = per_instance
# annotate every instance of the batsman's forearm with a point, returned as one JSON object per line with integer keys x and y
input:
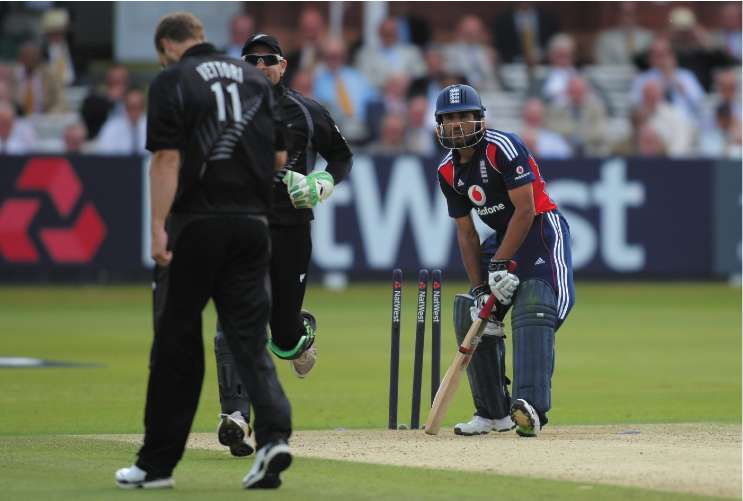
{"x": 518, "y": 228}
{"x": 163, "y": 184}
{"x": 469, "y": 248}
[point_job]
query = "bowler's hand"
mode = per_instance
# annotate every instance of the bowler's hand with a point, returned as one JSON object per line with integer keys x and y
{"x": 160, "y": 252}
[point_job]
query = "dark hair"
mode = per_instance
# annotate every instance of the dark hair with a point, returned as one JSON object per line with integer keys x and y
{"x": 178, "y": 26}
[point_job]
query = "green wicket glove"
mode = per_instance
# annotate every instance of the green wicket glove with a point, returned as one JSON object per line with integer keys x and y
{"x": 306, "y": 192}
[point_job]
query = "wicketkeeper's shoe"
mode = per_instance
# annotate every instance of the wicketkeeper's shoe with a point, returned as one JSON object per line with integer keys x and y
{"x": 303, "y": 364}
{"x": 136, "y": 478}
{"x": 479, "y": 425}
{"x": 234, "y": 432}
{"x": 526, "y": 418}
{"x": 271, "y": 460}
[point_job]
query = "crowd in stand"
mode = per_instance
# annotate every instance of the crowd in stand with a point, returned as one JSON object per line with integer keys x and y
{"x": 674, "y": 92}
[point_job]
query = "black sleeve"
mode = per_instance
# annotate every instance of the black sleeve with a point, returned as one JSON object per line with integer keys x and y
{"x": 165, "y": 127}
{"x": 279, "y": 125}
{"x": 330, "y": 143}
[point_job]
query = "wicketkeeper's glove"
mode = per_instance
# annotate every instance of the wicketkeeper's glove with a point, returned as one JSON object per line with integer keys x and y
{"x": 306, "y": 192}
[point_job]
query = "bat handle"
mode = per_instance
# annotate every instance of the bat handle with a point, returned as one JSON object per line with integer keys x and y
{"x": 487, "y": 308}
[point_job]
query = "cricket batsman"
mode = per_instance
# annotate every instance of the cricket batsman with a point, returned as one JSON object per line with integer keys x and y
{"x": 493, "y": 173}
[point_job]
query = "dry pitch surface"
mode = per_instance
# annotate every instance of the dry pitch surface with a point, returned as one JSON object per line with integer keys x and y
{"x": 694, "y": 458}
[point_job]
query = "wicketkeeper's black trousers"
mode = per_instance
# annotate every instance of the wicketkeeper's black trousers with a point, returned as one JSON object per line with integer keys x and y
{"x": 224, "y": 258}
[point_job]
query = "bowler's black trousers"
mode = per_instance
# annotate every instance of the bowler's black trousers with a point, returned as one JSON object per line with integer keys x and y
{"x": 225, "y": 258}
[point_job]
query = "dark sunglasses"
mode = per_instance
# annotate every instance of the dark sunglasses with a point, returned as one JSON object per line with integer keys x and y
{"x": 266, "y": 59}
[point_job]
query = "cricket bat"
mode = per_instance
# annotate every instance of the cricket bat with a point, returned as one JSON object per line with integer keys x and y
{"x": 456, "y": 370}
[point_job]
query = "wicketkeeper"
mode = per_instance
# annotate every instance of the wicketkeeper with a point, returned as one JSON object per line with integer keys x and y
{"x": 296, "y": 190}
{"x": 493, "y": 173}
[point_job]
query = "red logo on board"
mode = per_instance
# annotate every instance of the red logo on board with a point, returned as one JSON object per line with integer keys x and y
{"x": 74, "y": 244}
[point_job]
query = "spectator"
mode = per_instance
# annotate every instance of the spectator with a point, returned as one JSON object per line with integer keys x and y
{"x": 723, "y": 139}
{"x": 392, "y": 56}
{"x": 620, "y": 45}
{"x": 126, "y": 134}
{"x": 521, "y": 34}
{"x": 678, "y": 86}
{"x": 98, "y": 107}
{"x": 75, "y": 136}
{"x": 6, "y": 94}
{"x": 436, "y": 79}
{"x": 726, "y": 94}
{"x": 54, "y": 24}
{"x": 694, "y": 47}
{"x": 561, "y": 69}
{"x": 470, "y": 55}
{"x": 392, "y": 137}
{"x": 542, "y": 142}
{"x": 649, "y": 142}
{"x": 414, "y": 29}
{"x": 16, "y": 137}
{"x": 419, "y": 137}
{"x": 393, "y": 101}
{"x": 37, "y": 89}
{"x": 728, "y": 35}
{"x": 582, "y": 120}
{"x": 673, "y": 126}
{"x": 312, "y": 31}
{"x": 241, "y": 28}
{"x": 343, "y": 90}
{"x": 302, "y": 82}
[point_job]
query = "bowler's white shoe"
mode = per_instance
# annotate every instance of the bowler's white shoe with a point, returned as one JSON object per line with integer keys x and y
{"x": 234, "y": 432}
{"x": 526, "y": 418}
{"x": 271, "y": 460}
{"x": 136, "y": 478}
{"x": 479, "y": 426}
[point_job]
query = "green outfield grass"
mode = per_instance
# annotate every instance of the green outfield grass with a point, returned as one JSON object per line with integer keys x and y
{"x": 629, "y": 353}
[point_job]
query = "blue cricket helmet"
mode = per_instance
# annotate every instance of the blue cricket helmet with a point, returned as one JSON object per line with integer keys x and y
{"x": 456, "y": 98}
{"x": 465, "y": 134}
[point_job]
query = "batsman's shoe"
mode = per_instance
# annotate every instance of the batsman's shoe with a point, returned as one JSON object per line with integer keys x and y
{"x": 526, "y": 418}
{"x": 479, "y": 425}
{"x": 303, "y": 364}
{"x": 271, "y": 460}
{"x": 234, "y": 432}
{"x": 136, "y": 478}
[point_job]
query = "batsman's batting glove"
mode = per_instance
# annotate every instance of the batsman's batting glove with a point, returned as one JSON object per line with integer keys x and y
{"x": 480, "y": 293}
{"x": 306, "y": 192}
{"x": 502, "y": 282}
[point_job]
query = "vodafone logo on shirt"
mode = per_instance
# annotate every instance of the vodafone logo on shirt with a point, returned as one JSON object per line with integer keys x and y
{"x": 477, "y": 195}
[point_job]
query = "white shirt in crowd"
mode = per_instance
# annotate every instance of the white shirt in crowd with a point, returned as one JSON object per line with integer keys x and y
{"x": 21, "y": 140}
{"x": 119, "y": 136}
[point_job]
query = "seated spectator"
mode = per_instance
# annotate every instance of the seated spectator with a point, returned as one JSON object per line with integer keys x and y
{"x": 728, "y": 34}
{"x": 302, "y": 82}
{"x": 392, "y": 56}
{"x": 75, "y": 139}
{"x": 344, "y": 91}
{"x": 16, "y": 137}
{"x": 420, "y": 137}
{"x": 521, "y": 33}
{"x": 582, "y": 120}
{"x": 125, "y": 134}
{"x": 649, "y": 142}
{"x": 37, "y": 89}
{"x": 392, "y": 137}
{"x": 470, "y": 55}
{"x": 312, "y": 31}
{"x": 241, "y": 28}
{"x": 676, "y": 130}
{"x": 436, "y": 78}
{"x": 6, "y": 94}
{"x": 542, "y": 142}
{"x": 561, "y": 54}
{"x": 54, "y": 25}
{"x": 98, "y": 106}
{"x": 726, "y": 94}
{"x": 678, "y": 86}
{"x": 694, "y": 47}
{"x": 393, "y": 101}
{"x": 723, "y": 139}
{"x": 620, "y": 45}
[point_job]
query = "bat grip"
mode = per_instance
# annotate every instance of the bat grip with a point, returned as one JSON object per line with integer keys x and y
{"x": 487, "y": 307}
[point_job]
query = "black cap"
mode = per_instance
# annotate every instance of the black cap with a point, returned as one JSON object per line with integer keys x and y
{"x": 261, "y": 38}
